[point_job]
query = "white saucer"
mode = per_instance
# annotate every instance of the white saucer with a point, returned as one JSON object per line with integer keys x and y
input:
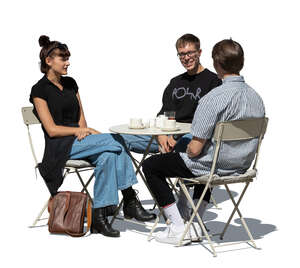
{"x": 170, "y": 129}
{"x": 140, "y": 127}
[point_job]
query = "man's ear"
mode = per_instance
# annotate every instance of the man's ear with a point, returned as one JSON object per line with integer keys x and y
{"x": 218, "y": 69}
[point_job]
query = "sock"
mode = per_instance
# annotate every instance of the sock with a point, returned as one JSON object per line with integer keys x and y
{"x": 172, "y": 213}
{"x": 128, "y": 194}
{"x": 202, "y": 207}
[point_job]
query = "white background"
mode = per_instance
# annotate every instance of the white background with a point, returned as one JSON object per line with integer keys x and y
{"x": 123, "y": 56}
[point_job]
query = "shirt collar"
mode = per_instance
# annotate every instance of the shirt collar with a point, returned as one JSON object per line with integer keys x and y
{"x": 47, "y": 81}
{"x": 233, "y": 78}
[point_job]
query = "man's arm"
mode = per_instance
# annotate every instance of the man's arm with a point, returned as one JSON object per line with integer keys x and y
{"x": 166, "y": 106}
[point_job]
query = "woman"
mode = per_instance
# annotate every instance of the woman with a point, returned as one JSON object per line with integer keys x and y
{"x": 57, "y": 104}
{"x": 233, "y": 100}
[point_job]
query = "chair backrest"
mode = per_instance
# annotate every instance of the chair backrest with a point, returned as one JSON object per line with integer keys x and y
{"x": 241, "y": 129}
{"x": 238, "y": 130}
{"x": 28, "y": 116}
{"x": 29, "y": 119}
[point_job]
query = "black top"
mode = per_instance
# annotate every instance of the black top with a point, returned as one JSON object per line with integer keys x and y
{"x": 184, "y": 91}
{"x": 64, "y": 108}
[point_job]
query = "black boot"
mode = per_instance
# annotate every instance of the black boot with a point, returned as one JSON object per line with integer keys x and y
{"x": 134, "y": 209}
{"x": 111, "y": 210}
{"x": 101, "y": 225}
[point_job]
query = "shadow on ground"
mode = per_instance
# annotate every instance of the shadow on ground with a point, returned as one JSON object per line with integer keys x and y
{"x": 235, "y": 231}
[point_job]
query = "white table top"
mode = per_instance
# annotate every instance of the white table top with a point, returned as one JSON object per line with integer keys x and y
{"x": 184, "y": 128}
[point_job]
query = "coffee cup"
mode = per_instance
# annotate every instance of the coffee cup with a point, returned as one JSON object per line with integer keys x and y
{"x": 152, "y": 123}
{"x": 135, "y": 123}
{"x": 159, "y": 122}
{"x": 169, "y": 124}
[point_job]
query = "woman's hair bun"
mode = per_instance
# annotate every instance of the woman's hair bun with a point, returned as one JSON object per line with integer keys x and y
{"x": 44, "y": 41}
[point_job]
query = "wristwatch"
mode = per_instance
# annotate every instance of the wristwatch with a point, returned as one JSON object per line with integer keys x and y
{"x": 176, "y": 137}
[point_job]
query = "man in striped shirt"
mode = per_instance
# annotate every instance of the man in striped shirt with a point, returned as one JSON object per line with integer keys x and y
{"x": 233, "y": 100}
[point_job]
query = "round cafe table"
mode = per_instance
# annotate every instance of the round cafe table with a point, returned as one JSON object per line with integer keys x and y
{"x": 181, "y": 128}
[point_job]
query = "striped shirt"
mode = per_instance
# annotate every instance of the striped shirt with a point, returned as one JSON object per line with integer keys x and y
{"x": 233, "y": 100}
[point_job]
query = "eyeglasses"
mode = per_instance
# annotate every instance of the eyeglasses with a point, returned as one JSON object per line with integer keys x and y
{"x": 59, "y": 46}
{"x": 189, "y": 54}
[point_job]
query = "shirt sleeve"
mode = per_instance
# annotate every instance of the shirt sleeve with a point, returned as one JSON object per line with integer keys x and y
{"x": 206, "y": 117}
{"x": 73, "y": 84}
{"x": 70, "y": 83}
{"x": 38, "y": 91}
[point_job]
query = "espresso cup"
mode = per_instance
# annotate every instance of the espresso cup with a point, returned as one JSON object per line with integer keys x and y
{"x": 135, "y": 122}
{"x": 159, "y": 122}
{"x": 146, "y": 123}
{"x": 152, "y": 123}
{"x": 169, "y": 124}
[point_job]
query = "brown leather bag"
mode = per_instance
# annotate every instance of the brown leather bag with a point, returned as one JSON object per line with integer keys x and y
{"x": 67, "y": 211}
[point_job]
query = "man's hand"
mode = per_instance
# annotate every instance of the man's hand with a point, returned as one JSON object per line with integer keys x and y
{"x": 195, "y": 147}
{"x": 171, "y": 142}
{"x": 163, "y": 141}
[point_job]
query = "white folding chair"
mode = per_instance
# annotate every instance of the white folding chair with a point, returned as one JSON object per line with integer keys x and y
{"x": 226, "y": 131}
{"x": 72, "y": 166}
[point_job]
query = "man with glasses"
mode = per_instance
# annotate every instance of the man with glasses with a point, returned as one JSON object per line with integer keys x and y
{"x": 184, "y": 91}
{"x": 182, "y": 96}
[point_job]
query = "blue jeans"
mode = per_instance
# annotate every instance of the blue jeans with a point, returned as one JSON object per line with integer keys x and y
{"x": 138, "y": 143}
{"x": 113, "y": 171}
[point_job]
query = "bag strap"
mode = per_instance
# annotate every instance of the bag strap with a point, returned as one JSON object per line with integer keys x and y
{"x": 89, "y": 221}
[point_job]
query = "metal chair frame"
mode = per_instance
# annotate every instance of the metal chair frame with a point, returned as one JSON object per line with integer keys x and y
{"x": 237, "y": 130}
{"x": 72, "y": 166}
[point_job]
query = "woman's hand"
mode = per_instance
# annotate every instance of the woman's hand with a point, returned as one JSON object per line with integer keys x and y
{"x": 94, "y": 131}
{"x": 83, "y": 132}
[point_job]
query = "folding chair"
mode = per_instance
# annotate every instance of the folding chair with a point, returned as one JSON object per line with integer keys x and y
{"x": 226, "y": 131}
{"x": 72, "y": 166}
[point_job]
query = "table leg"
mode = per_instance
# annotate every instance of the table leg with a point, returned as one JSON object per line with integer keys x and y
{"x": 138, "y": 171}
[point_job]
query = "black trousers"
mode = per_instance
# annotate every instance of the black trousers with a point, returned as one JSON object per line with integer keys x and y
{"x": 170, "y": 165}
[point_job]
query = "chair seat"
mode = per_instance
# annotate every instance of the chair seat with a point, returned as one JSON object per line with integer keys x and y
{"x": 78, "y": 164}
{"x": 220, "y": 180}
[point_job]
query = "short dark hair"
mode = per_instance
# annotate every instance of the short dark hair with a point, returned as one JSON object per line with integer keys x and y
{"x": 50, "y": 49}
{"x": 188, "y": 38}
{"x": 229, "y": 55}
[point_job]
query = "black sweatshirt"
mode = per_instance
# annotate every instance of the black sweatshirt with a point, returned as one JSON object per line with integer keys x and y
{"x": 184, "y": 91}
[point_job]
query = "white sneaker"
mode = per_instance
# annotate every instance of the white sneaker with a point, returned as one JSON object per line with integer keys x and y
{"x": 165, "y": 232}
{"x": 171, "y": 236}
